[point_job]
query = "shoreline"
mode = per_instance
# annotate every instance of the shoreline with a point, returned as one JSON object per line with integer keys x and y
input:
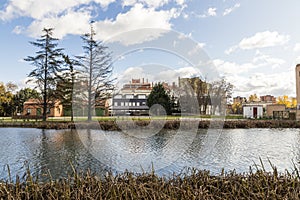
{"x": 169, "y": 124}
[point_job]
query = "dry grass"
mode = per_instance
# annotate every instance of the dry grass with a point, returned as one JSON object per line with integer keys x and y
{"x": 193, "y": 184}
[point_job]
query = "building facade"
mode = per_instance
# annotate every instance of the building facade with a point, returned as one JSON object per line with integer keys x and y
{"x": 273, "y": 108}
{"x": 34, "y": 107}
{"x": 239, "y": 100}
{"x": 252, "y": 111}
{"x": 132, "y": 98}
{"x": 268, "y": 99}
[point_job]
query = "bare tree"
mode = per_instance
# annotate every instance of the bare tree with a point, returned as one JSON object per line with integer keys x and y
{"x": 220, "y": 92}
{"x": 96, "y": 71}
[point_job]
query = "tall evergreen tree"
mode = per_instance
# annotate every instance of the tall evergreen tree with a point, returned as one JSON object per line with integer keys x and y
{"x": 65, "y": 88}
{"x": 47, "y": 62}
{"x": 96, "y": 68}
{"x": 159, "y": 96}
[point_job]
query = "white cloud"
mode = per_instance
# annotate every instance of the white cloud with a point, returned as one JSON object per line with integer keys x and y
{"x": 261, "y": 40}
{"x": 152, "y": 3}
{"x": 63, "y": 25}
{"x": 18, "y": 30}
{"x": 60, "y": 15}
{"x": 297, "y": 60}
{"x": 129, "y": 2}
{"x": 37, "y": 9}
{"x": 230, "y": 10}
{"x": 180, "y": 2}
{"x": 297, "y": 47}
{"x": 155, "y": 3}
{"x": 229, "y": 68}
{"x": 231, "y": 49}
{"x": 247, "y": 80}
{"x": 264, "y": 39}
{"x": 276, "y": 84}
{"x": 261, "y": 59}
{"x": 138, "y": 17}
{"x": 210, "y": 12}
{"x": 148, "y": 3}
{"x": 196, "y": 49}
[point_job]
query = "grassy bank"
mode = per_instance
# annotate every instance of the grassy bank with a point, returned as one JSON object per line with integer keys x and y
{"x": 169, "y": 124}
{"x": 194, "y": 184}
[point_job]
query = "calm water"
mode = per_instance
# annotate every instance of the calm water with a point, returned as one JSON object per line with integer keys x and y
{"x": 52, "y": 151}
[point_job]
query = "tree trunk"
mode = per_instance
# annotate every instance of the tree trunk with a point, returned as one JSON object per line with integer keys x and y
{"x": 90, "y": 81}
{"x": 45, "y": 87}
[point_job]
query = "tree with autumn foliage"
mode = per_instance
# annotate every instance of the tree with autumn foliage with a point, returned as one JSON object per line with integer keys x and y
{"x": 253, "y": 98}
{"x": 6, "y": 99}
{"x": 289, "y": 102}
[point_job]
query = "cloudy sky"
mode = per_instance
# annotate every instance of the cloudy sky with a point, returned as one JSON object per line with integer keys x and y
{"x": 255, "y": 44}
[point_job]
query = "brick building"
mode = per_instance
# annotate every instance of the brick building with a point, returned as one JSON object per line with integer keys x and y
{"x": 34, "y": 107}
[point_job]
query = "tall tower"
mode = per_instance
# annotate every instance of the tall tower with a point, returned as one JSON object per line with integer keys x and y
{"x": 298, "y": 83}
{"x": 298, "y": 90}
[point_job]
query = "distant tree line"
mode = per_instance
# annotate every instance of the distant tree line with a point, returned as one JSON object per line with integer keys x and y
{"x": 12, "y": 99}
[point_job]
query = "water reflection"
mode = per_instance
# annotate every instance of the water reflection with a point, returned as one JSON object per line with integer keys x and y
{"x": 55, "y": 150}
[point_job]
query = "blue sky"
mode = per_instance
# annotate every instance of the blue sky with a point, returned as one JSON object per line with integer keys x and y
{"x": 254, "y": 44}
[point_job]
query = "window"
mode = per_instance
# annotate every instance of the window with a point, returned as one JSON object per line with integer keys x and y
{"x": 137, "y": 103}
{"x": 28, "y": 111}
{"x": 126, "y": 103}
{"x": 129, "y": 96}
{"x": 142, "y": 96}
{"x": 116, "y": 103}
{"x": 129, "y": 103}
{"x": 122, "y": 103}
{"x": 118, "y": 96}
{"x": 133, "y": 103}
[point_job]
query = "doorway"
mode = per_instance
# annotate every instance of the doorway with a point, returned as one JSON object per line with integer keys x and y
{"x": 255, "y": 112}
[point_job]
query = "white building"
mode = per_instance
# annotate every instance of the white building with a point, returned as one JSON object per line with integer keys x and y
{"x": 132, "y": 98}
{"x": 252, "y": 111}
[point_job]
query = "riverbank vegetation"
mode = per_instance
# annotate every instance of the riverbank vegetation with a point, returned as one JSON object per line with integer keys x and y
{"x": 192, "y": 184}
{"x": 111, "y": 124}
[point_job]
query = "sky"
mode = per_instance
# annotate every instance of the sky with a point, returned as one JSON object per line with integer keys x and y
{"x": 254, "y": 44}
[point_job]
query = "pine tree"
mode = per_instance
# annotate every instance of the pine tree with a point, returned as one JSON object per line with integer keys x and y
{"x": 159, "y": 96}
{"x": 66, "y": 86}
{"x": 48, "y": 62}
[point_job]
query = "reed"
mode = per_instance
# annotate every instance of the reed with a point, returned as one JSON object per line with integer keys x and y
{"x": 190, "y": 184}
